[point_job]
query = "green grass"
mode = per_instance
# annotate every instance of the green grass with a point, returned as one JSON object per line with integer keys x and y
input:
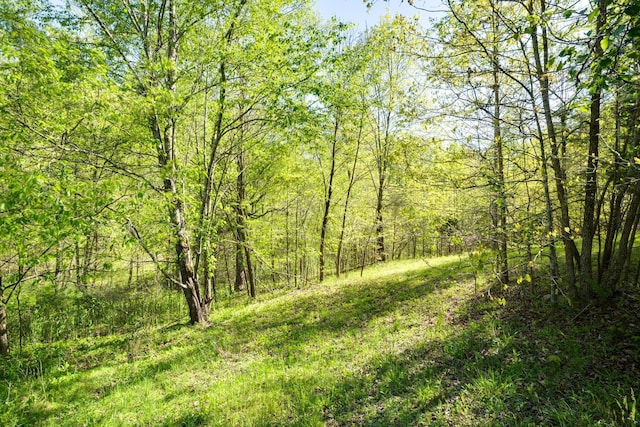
{"x": 407, "y": 344}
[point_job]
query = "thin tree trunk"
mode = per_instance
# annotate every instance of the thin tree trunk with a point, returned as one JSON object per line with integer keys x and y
{"x": 571, "y": 251}
{"x": 394, "y": 242}
{"x": 381, "y": 254}
{"x": 615, "y": 221}
{"x": 591, "y": 184}
{"x": 227, "y": 269}
{"x": 627, "y": 236}
{"x": 240, "y": 281}
{"x": 130, "y": 278}
{"x": 500, "y": 203}
{"x": 20, "y": 326}
{"x": 296, "y": 246}
{"x": 250, "y": 274}
{"x": 554, "y": 270}
{"x": 328, "y": 195}
{"x": 207, "y": 279}
{"x": 78, "y": 266}
{"x": 244, "y": 273}
{"x": 286, "y": 240}
{"x": 382, "y": 148}
{"x": 4, "y": 337}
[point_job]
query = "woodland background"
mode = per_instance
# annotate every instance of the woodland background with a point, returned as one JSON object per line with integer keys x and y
{"x": 161, "y": 157}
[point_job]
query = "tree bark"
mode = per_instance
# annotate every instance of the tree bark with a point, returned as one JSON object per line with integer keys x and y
{"x": 4, "y": 336}
{"x": 591, "y": 183}
{"x": 627, "y": 236}
{"x": 328, "y": 196}
{"x": 571, "y": 251}
{"x": 241, "y": 274}
{"x": 352, "y": 177}
{"x": 554, "y": 271}
{"x": 244, "y": 269}
{"x": 499, "y": 208}
{"x": 381, "y": 254}
{"x": 250, "y": 273}
{"x": 167, "y": 140}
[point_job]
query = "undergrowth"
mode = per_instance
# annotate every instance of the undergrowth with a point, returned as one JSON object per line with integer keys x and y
{"x": 408, "y": 344}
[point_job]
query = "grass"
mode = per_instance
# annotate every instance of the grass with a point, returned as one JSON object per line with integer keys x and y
{"x": 408, "y": 344}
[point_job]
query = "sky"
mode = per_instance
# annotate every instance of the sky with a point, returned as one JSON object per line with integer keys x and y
{"x": 356, "y": 10}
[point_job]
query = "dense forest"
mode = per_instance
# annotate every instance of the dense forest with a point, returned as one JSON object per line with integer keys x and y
{"x": 218, "y": 149}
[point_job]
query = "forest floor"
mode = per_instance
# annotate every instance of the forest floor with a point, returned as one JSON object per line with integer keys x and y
{"x": 407, "y": 344}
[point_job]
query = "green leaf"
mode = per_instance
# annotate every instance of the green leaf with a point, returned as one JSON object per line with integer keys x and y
{"x": 634, "y": 32}
{"x": 604, "y": 43}
{"x": 632, "y": 10}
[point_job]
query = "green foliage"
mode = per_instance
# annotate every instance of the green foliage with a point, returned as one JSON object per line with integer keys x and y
{"x": 127, "y": 127}
{"x": 47, "y": 314}
{"x": 406, "y": 344}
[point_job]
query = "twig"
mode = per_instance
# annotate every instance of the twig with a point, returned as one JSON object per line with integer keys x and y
{"x": 581, "y": 311}
{"x": 134, "y": 232}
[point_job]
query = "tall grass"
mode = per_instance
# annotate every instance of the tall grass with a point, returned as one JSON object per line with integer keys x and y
{"x": 407, "y": 344}
{"x": 46, "y": 314}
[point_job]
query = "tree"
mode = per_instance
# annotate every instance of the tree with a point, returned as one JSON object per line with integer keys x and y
{"x": 47, "y": 82}
{"x": 390, "y": 97}
{"x": 337, "y": 89}
{"x": 168, "y": 55}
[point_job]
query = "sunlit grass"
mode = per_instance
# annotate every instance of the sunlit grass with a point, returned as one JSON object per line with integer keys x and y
{"x": 405, "y": 344}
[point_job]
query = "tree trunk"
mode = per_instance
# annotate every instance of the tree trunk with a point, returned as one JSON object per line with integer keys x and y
{"x": 499, "y": 208}
{"x": 240, "y": 281}
{"x": 244, "y": 270}
{"x": 627, "y": 236}
{"x": 184, "y": 261}
{"x": 188, "y": 278}
{"x": 380, "y": 250}
{"x": 286, "y": 244}
{"x": 208, "y": 284}
{"x": 571, "y": 251}
{"x": 250, "y": 274}
{"x": 591, "y": 184}
{"x": 166, "y": 138}
{"x": 4, "y": 336}
{"x": 225, "y": 253}
{"x": 296, "y": 245}
{"x": 613, "y": 226}
{"x": 327, "y": 197}
{"x": 352, "y": 177}
{"x": 554, "y": 271}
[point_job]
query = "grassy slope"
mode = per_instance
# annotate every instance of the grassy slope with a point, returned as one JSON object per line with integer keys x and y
{"x": 408, "y": 344}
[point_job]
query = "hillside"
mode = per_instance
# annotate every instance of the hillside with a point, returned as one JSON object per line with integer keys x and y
{"x": 407, "y": 344}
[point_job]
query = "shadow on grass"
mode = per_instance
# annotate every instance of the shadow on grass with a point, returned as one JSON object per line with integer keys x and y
{"x": 284, "y": 324}
{"x": 67, "y": 372}
{"x": 498, "y": 369}
{"x": 290, "y": 322}
{"x": 188, "y": 420}
{"x": 493, "y": 366}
